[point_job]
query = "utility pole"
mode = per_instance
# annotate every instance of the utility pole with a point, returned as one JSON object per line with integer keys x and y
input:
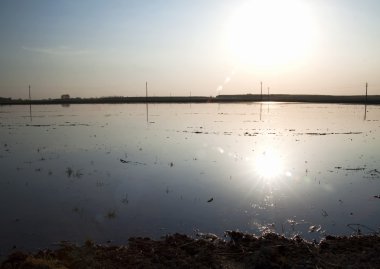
{"x": 261, "y": 93}
{"x": 146, "y": 101}
{"x": 30, "y": 104}
{"x": 366, "y": 99}
{"x": 268, "y": 93}
{"x": 146, "y": 91}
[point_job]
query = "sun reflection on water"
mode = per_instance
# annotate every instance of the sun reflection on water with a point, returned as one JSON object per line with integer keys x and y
{"x": 269, "y": 164}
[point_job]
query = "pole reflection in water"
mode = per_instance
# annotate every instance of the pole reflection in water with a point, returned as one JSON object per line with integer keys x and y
{"x": 147, "y": 113}
{"x": 30, "y": 112}
{"x": 146, "y": 101}
{"x": 30, "y": 104}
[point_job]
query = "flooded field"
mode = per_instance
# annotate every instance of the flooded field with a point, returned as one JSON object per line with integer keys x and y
{"x": 108, "y": 172}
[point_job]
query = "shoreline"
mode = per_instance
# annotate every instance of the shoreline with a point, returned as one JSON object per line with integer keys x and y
{"x": 329, "y": 99}
{"x": 240, "y": 250}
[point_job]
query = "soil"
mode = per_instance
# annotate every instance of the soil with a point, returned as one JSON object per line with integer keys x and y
{"x": 239, "y": 250}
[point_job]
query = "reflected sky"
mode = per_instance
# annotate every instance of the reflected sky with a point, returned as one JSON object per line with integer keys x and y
{"x": 103, "y": 172}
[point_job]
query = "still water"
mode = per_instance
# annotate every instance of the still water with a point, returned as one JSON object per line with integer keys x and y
{"x": 108, "y": 172}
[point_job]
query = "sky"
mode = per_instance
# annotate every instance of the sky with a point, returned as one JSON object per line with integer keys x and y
{"x": 95, "y": 48}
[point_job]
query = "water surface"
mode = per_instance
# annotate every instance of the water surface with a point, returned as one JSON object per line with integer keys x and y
{"x": 108, "y": 172}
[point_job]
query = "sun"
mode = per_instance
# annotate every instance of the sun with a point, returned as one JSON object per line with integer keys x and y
{"x": 270, "y": 34}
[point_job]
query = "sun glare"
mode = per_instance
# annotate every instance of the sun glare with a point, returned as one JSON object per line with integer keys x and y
{"x": 269, "y": 164}
{"x": 270, "y": 34}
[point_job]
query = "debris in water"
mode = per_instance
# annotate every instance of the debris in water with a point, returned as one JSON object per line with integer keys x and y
{"x": 125, "y": 200}
{"x": 324, "y": 213}
{"x": 69, "y": 171}
{"x": 358, "y": 228}
{"x": 355, "y": 169}
{"x": 314, "y": 228}
{"x": 210, "y": 200}
{"x": 78, "y": 173}
{"x": 111, "y": 214}
{"x": 135, "y": 163}
{"x": 375, "y": 171}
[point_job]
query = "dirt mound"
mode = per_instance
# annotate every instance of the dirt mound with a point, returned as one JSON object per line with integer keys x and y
{"x": 180, "y": 251}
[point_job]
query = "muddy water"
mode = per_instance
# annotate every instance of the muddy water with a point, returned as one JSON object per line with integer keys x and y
{"x": 108, "y": 172}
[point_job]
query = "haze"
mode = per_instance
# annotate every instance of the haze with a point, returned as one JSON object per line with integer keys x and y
{"x": 93, "y": 48}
